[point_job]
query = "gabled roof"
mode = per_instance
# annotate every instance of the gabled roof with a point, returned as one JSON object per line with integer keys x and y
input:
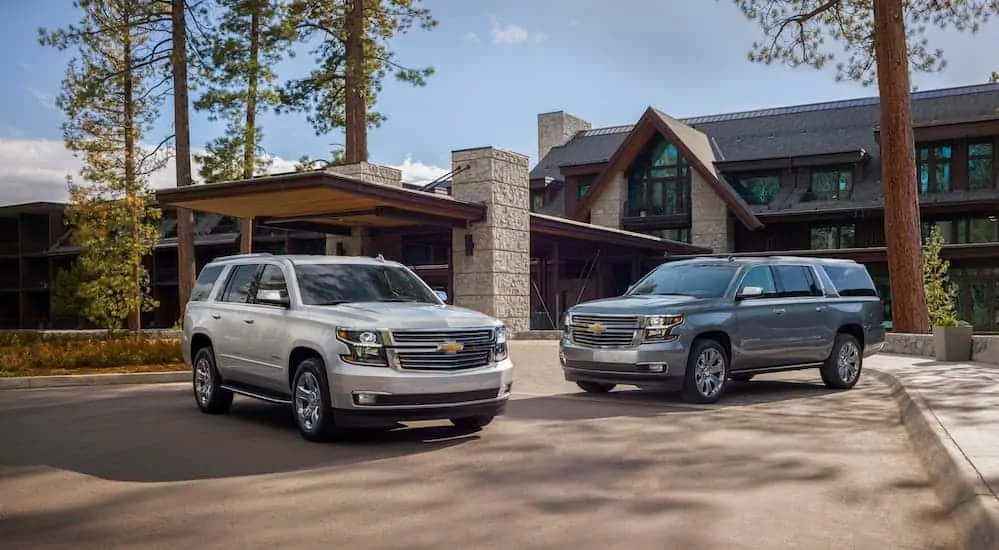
{"x": 693, "y": 145}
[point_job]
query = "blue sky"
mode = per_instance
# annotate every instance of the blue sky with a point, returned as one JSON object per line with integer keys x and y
{"x": 498, "y": 63}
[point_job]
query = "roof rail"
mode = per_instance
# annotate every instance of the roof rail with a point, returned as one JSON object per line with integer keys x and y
{"x": 234, "y": 256}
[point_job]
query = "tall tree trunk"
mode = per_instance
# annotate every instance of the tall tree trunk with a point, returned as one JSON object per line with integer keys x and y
{"x": 356, "y": 101}
{"x": 128, "y": 101}
{"x": 250, "y": 130}
{"x": 186, "y": 270}
{"x": 898, "y": 170}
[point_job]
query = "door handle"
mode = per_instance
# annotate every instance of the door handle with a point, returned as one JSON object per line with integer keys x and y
{"x": 216, "y": 316}
{"x": 248, "y": 321}
{"x": 779, "y": 311}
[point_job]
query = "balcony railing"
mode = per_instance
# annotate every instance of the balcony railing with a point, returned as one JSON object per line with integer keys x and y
{"x": 678, "y": 207}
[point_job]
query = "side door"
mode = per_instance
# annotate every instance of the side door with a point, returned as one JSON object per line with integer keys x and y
{"x": 804, "y": 332}
{"x": 267, "y": 351}
{"x": 233, "y": 333}
{"x": 753, "y": 342}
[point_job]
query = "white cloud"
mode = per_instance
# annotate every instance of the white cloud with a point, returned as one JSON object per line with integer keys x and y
{"x": 471, "y": 37}
{"x": 510, "y": 33}
{"x": 574, "y": 22}
{"x": 36, "y": 170}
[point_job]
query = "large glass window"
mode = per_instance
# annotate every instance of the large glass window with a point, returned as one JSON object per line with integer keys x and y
{"x": 758, "y": 189}
{"x": 333, "y": 283}
{"x": 659, "y": 182}
{"x": 697, "y": 280}
{"x": 965, "y": 230}
{"x": 981, "y": 165}
{"x": 934, "y": 167}
{"x": 680, "y": 234}
{"x": 826, "y": 237}
{"x": 830, "y": 184}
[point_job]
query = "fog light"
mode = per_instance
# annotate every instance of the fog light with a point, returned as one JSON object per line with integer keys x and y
{"x": 561, "y": 357}
{"x": 363, "y": 398}
{"x": 507, "y": 388}
{"x": 657, "y": 367}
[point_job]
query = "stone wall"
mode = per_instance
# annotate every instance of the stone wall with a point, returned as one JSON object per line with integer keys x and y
{"x": 495, "y": 279}
{"x": 710, "y": 225}
{"x": 556, "y": 129}
{"x": 356, "y": 244}
{"x": 609, "y": 206}
{"x": 984, "y": 349}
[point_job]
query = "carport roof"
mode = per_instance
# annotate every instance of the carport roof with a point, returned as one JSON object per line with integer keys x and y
{"x": 571, "y": 229}
{"x": 320, "y": 198}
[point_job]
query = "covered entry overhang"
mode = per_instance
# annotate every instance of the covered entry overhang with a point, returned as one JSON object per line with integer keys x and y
{"x": 323, "y": 201}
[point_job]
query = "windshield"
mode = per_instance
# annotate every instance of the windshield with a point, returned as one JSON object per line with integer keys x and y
{"x": 697, "y": 280}
{"x": 331, "y": 284}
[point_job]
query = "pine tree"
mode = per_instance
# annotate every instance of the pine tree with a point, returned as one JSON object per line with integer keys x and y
{"x": 111, "y": 96}
{"x": 251, "y": 37}
{"x": 330, "y": 94}
{"x": 940, "y": 293}
{"x": 883, "y": 40}
{"x": 306, "y": 163}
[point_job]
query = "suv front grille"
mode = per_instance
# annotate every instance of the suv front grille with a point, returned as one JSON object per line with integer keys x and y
{"x": 603, "y": 330}
{"x": 421, "y": 350}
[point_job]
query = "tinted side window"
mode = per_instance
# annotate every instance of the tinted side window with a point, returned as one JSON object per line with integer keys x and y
{"x": 206, "y": 280}
{"x": 271, "y": 278}
{"x": 762, "y": 277}
{"x": 240, "y": 281}
{"x": 796, "y": 280}
{"x": 851, "y": 280}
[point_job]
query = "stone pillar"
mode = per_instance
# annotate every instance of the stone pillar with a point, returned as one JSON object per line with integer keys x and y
{"x": 354, "y": 244}
{"x": 496, "y": 278}
{"x": 556, "y": 129}
{"x": 609, "y": 206}
{"x": 710, "y": 223}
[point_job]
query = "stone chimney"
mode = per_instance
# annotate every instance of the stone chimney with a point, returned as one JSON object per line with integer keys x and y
{"x": 557, "y": 128}
{"x": 373, "y": 173}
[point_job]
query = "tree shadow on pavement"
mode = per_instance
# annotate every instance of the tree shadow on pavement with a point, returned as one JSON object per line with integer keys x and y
{"x": 158, "y": 436}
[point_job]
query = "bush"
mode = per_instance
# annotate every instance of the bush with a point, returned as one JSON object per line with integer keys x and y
{"x": 32, "y": 352}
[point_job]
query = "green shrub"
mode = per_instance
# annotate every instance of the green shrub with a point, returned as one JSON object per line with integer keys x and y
{"x": 941, "y": 294}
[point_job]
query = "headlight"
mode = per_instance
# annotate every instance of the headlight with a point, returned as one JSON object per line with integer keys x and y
{"x": 366, "y": 346}
{"x": 500, "y": 351}
{"x": 660, "y": 327}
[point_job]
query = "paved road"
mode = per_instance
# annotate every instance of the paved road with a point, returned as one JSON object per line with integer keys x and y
{"x": 781, "y": 463}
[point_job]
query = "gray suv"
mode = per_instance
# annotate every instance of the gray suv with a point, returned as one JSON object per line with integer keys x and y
{"x": 345, "y": 342}
{"x": 693, "y": 325}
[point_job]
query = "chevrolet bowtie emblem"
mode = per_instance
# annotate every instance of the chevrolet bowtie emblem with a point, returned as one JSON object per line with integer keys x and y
{"x": 596, "y": 327}
{"x": 451, "y": 347}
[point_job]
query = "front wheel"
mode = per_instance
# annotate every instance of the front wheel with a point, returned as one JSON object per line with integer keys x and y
{"x": 841, "y": 370}
{"x": 707, "y": 372}
{"x": 471, "y": 423}
{"x": 595, "y": 387}
{"x": 311, "y": 401}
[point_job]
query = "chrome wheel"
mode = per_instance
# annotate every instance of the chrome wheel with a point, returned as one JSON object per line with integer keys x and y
{"x": 308, "y": 400}
{"x": 709, "y": 372}
{"x": 203, "y": 383}
{"x": 848, "y": 362}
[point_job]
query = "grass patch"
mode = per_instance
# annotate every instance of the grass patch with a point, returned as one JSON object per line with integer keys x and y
{"x": 31, "y": 354}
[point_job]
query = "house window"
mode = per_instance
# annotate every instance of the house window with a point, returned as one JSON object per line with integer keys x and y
{"x": 659, "y": 182}
{"x": 965, "y": 230}
{"x": 981, "y": 167}
{"x": 537, "y": 201}
{"x": 934, "y": 167}
{"x": 830, "y": 185}
{"x": 679, "y": 234}
{"x": 583, "y": 185}
{"x": 827, "y": 237}
{"x": 759, "y": 189}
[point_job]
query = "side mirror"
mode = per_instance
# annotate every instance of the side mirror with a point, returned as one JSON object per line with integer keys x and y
{"x": 750, "y": 292}
{"x": 272, "y": 297}
{"x": 441, "y": 295}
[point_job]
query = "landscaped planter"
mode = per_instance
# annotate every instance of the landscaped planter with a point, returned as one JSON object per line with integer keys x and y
{"x": 952, "y": 343}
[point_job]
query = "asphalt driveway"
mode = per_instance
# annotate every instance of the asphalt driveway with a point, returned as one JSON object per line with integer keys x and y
{"x": 781, "y": 462}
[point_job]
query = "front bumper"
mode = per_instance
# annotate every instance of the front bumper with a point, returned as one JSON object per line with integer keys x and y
{"x": 370, "y": 396}
{"x": 660, "y": 365}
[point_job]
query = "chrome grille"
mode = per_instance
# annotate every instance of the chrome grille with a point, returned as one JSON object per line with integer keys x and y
{"x": 618, "y": 331}
{"x": 418, "y": 350}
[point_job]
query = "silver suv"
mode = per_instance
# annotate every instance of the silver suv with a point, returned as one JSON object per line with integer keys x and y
{"x": 695, "y": 324}
{"x": 347, "y": 342}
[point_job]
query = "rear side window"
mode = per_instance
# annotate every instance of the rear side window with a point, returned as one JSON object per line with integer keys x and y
{"x": 796, "y": 281}
{"x": 206, "y": 280}
{"x": 851, "y": 280}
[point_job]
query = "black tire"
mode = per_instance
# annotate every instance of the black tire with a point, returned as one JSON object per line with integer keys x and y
{"x": 741, "y": 377}
{"x": 846, "y": 347}
{"x": 207, "y": 384}
{"x": 714, "y": 386}
{"x": 314, "y": 424}
{"x": 471, "y": 423}
{"x": 595, "y": 387}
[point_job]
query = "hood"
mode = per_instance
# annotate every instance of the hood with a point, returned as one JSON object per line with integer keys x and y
{"x": 644, "y": 305}
{"x": 400, "y": 315}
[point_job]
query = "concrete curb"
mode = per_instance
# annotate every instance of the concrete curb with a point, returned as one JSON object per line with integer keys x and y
{"x": 967, "y": 500}
{"x": 62, "y": 381}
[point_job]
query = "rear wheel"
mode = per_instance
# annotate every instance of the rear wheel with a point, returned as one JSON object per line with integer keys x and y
{"x": 471, "y": 423}
{"x": 207, "y": 384}
{"x": 595, "y": 387}
{"x": 841, "y": 370}
{"x": 707, "y": 372}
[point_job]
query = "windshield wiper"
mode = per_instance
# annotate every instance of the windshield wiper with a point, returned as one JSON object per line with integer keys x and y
{"x": 332, "y": 303}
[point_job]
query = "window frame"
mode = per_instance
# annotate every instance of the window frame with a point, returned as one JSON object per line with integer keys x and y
{"x": 641, "y": 183}
{"x": 747, "y": 192}
{"x": 931, "y": 163}
{"x": 991, "y": 157}
{"x": 837, "y": 194}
